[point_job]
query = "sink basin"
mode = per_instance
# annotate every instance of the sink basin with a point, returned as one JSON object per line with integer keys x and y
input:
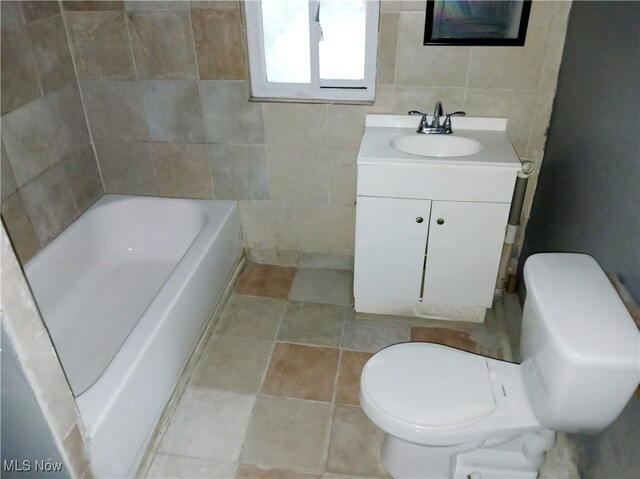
{"x": 436, "y": 145}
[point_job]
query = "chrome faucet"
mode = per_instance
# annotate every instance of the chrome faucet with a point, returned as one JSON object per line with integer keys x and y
{"x": 437, "y": 113}
{"x": 435, "y": 127}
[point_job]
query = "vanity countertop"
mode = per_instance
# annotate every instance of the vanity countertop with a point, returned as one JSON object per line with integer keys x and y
{"x": 381, "y": 130}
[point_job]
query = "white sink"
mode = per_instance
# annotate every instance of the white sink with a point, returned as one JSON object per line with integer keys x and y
{"x": 436, "y": 145}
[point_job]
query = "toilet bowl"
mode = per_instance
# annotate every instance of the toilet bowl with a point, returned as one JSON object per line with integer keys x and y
{"x": 436, "y": 403}
{"x": 453, "y": 414}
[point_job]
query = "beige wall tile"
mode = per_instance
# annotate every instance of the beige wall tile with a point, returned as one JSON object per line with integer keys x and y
{"x": 385, "y": 99}
{"x": 424, "y": 99}
{"x": 346, "y": 126}
{"x": 229, "y": 116}
{"x": 181, "y": 170}
{"x": 40, "y": 133}
{"x": 163, "y": 45}
{"x": 295, "y": 124}
{"x": 49, "y": 203}
{"x": 114, "y": 110}
{"x": 36, "y": 10}
{"x": 100, "y": 45}
{"x": 538, "y": 137}
{"x": 172, "y": 110}
{"x": 19, "y": 79}
{"x": 402, "y": 6}
{"x": 514, "y": 67}
{"x": 239, "y": 172}
{"x": 93, "y": 5}
{"x": 341, "y": 177}
{"x": 325, "y": 228}
{"x": 387, "y": 44}
{"x": 216, "y": 4}
{"x": 81, "y": 168}
{"x": 219, "y": 44}
{"x": 152, "y": 6}
{"x": 19, "y": 227}
{"x": 126, "y": 168}
{"x": 51, "y": 53}
{"x": 297, "y": 174}
{"x": 420, "y": 65}
{"x": 517, "y": 106}
{"x": 7, "y": 177}
{"x": 268, "y": 225}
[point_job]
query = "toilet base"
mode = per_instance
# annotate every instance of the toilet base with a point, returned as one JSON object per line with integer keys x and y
{"x": 515, "y": 458}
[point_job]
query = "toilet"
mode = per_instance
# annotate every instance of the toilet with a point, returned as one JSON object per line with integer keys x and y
{"x": 452, "y": 414}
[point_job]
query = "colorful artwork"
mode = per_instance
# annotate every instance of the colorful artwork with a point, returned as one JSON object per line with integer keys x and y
{"x": 476, "y": 22}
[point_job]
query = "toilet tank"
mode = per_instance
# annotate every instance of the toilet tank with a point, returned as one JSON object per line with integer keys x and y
{"x": 580, "y": 347}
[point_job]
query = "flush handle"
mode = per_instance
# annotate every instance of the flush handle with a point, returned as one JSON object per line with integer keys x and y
{"x": 419, "y": 219}
{"x": 440, "y": 221}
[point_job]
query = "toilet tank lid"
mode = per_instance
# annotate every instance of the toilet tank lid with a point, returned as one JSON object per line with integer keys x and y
{"x": 580, "y": 312}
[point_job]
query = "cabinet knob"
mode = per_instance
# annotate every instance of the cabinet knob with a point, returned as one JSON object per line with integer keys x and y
{"x": 419, "y": 219}
{"x": 440, "y": 221}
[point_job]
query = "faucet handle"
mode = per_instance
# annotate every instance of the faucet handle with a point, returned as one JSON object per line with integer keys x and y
{"x": 416, "y": 112}
{"x": 447, "y": 120}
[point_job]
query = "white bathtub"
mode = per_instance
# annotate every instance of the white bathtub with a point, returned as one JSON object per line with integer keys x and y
{"x": 126, "y": 292}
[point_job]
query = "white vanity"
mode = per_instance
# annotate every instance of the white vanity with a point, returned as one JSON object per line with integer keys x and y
{"x": 430, "y": 229}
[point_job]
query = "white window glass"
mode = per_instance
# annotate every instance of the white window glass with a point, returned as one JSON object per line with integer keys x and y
{"x": 342, "y": 45}
{"x": 312, "y": 49}
{"x": 285, "y": 26}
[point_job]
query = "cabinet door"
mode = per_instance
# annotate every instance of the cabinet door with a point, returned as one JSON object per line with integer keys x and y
{"x": 463, "y": 252}
{"x": 391, "y": 236}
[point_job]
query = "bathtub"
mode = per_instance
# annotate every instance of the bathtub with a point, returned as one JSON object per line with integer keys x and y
{"x": 126, "y": 292}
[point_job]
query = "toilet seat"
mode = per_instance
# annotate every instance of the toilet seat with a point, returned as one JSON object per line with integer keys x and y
{"x": 464, "y": 397}
{"x": 430, "y": 385}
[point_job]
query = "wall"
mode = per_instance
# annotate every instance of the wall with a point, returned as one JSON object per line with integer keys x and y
{"x": 165, "y": 91}
{"x": 23, "y": 326}
{"x": 588, "y": 195}
{"x": 49, "y": 172}
{"x": 25, "y": 432}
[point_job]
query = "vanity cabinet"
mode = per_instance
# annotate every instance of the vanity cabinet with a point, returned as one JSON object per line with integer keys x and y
{"x": 412, "y": 252}
{"x": 430, "y": 231}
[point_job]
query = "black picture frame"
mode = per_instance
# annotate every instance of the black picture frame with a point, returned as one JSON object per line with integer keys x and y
{"x": 470, "y": 37}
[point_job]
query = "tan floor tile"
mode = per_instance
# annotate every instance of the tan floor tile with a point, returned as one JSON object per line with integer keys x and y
{"x": 208, "y": 424}
{"x": 446, "y": 337}
{"x": 251, "y": 317}
{"x": 312, "y": 323}
{"x": 266, "y": 280}
{"x": 288, "y": 434}
{"x": 355, "y": 444}
{"x": 302, "y": 372}
{"x": 176, "y": 467}
{"x": 372, "y": 336}
{"x": 251, "y": 472}
{"x": 348, "y": 388}
{"x": 328, "y": 286}
{"x": 237, "y": 364}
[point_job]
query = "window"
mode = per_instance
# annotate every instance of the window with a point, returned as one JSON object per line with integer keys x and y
{"x": 319, "y": 49}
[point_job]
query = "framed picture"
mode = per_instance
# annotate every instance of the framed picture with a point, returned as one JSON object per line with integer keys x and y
{"x": 477, "y": 22}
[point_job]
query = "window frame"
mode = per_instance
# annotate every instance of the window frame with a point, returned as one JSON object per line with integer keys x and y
{"x": 317, "y": 90}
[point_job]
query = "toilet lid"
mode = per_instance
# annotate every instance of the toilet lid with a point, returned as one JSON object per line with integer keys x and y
{"x": 429, "y": 385}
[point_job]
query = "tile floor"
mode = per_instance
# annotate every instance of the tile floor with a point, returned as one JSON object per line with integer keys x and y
{"x": 275, "y": 392}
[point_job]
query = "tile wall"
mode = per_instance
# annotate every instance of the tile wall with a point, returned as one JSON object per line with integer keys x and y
{"x": 165, "y": 90}
{"x": 49, "y": 171}
{"x": 36, "y": 354}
